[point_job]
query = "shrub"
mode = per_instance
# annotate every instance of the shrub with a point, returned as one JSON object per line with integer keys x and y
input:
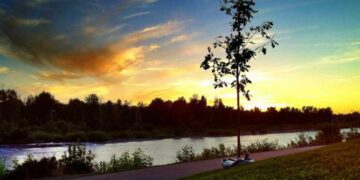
{"x": 352, "y": 134}
{"x": 263, "y": 145}
{"x": 126, "y": 162}
{"x": 120, "y": 134}
{"x": 328, "y": 134}
{"x": 214, "y": 152}
{"x": 140, "y": 160}
{"x": 77, "y": 160}
{"x": 76, "y": 136}
{"x": 186, "y": 154}
{"x": 32, "y": 168}
{"x": 98, "y": 136}
{"x": 45, "y": 137}
{"x": 301, "y": 141}
{"x": 16, "y": 135}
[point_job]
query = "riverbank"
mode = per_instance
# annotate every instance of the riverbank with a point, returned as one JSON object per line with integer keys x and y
{"x": 140, "y": 136}
{"x": 338, "y": 161}
{"x": 175, "y": 171}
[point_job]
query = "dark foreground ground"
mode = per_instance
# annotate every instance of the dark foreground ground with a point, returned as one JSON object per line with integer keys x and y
{"x": 176, "y": 171}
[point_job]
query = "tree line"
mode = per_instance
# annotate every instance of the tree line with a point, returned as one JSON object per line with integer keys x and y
{"x": 40, "y": 112}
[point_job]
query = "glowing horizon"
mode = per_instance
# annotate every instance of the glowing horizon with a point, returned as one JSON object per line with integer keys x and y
{"x": 143, "y": 49}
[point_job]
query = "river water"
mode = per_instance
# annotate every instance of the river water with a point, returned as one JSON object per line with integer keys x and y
{"x": 163, "y": 150}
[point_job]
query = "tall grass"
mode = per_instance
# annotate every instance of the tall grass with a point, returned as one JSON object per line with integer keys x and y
{"x": 125, "y": 162}
{"x": 2, "y": 167}
{"x": 327, "y": 135}
{"x": 75, "y": 161}
{"x": 187, "y": 153}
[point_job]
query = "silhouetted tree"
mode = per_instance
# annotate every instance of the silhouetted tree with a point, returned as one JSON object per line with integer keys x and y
{"x": 240, "y": 48}
{"x": 93, "y": 111}
{"x": 75, "y": 111}
{"x": 43, "y": 113}
{"x": 41, "y": 108}
{"x": 10, "y": 105}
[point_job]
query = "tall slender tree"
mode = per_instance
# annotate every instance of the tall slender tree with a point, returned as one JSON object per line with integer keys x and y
{"x": 242, "y": 45}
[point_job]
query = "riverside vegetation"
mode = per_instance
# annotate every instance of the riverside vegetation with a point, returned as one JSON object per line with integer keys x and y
{"x": 327, "y": 135}
{"x": 337, "y": 161}
{"x": 79, "y": 161}
{"x": 75, "y": 161}
{"x": 42, "y": 118}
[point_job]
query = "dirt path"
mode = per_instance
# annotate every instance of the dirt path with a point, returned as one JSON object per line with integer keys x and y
{"x": 175, "y": 171}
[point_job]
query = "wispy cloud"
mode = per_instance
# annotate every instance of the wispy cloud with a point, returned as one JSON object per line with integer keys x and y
{"x": 4, "y": 70}
{"x": 347, "y": 57}
{"x": 57, "y": 76}
{"x": 136, "y": 15}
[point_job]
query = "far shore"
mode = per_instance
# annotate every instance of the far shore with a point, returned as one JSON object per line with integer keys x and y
{"x": 59, "y": 144}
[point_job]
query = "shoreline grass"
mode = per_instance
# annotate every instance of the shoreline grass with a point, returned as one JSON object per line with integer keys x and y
{"x": 338, "y": 161}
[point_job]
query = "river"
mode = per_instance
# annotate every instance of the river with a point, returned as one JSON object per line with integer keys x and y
{"x": 162, "y": 150}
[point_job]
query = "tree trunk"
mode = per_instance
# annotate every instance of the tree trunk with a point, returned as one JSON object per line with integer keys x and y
{"x": 237, "y": 115}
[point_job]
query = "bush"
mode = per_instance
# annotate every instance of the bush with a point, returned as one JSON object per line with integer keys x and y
{"x": 41, "y": 136}
{"x": 186, "y": 154}
{"x": 213, "y": 152}
{"x": 301, "y": 141}
{"x": 126, "y": 162}
{"x": 328, "y": 134}
{"x": 77, "y": 160}
{"x": 32, "y": 168}
{"x": 263, "y": 145}
{"x": 76, "y": 136}
{"x": 98, "y": 136}
{"x": 353, "y": 134}
{"x": 15, "y": 135}
{"x": 121, "y": 134}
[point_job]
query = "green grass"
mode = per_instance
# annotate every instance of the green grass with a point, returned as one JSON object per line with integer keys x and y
{"x": 2, "y": 167}
{"x": 338, "y": 161}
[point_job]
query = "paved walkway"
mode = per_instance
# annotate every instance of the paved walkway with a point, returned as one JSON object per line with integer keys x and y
{"x": 175, "y": 171}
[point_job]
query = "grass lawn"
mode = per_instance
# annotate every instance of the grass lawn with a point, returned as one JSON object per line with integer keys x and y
{"x": 338, "y": 161}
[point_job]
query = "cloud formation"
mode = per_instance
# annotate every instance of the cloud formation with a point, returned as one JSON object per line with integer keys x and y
{"x": 43, "y": 34}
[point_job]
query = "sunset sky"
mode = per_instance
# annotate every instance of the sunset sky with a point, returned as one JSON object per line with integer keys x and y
{"x": 141, "y": 49}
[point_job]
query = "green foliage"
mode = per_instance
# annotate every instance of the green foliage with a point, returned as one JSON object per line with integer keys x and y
{"x": 328, "y": 134}
{"x": 126, "y": 162}
{"x": 98, "y": 136}
{"x": 240, "y": 47}
{"x": 77, "y": 160}
{"x": 76, "y": 136}
{"x": 32, "y": 168}
{"x": 216, "y": 152}
{"x": 41, "y": 136}
{"x": 263, "y": 145}
{"x": 338, "y": 161}
{"x": 301, "y": 141}
{"x": 187, "y": 153}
